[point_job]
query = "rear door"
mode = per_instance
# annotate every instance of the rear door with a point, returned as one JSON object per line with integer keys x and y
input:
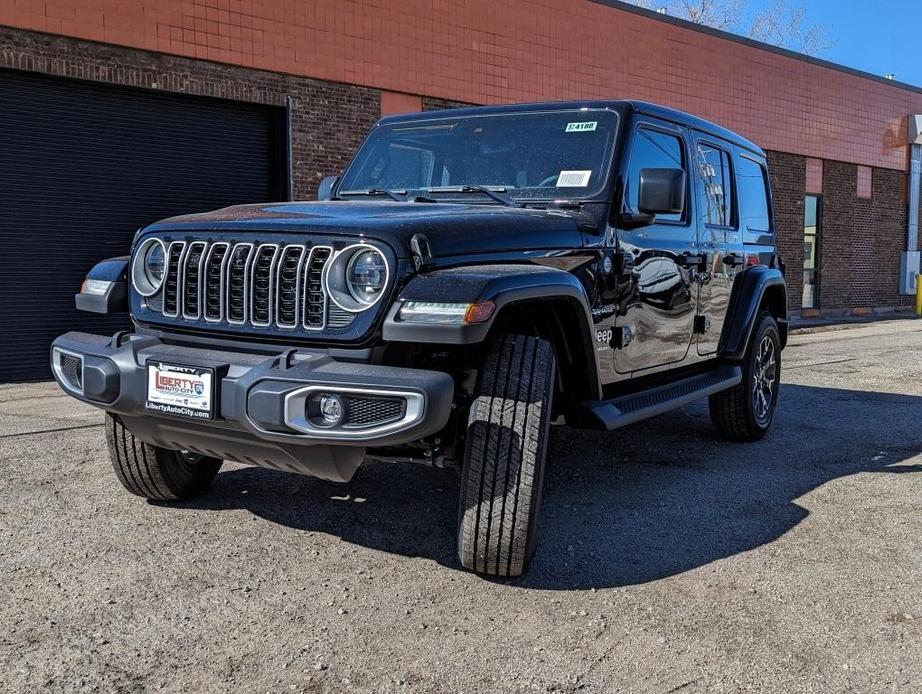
{"x": 719, "y": 240}
{"x": 661, "y": 310}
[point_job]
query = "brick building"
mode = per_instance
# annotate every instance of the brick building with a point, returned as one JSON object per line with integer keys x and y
{"x": 222, "y": 101}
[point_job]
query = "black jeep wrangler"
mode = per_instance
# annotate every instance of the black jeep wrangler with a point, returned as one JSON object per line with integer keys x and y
{"x": 473, "y": 276}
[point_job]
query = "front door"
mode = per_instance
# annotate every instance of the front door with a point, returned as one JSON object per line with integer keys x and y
{"x": 660, "y": 312}
{"x": 719, "y": 239}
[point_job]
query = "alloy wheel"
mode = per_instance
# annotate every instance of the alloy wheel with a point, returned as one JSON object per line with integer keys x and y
{"x": 764, "y": 376}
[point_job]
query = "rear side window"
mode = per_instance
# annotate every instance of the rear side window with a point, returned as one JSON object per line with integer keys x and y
{"x": 653, "y": 149}
{"x": 752, "y": 184}
{"x": 715, "y": 186}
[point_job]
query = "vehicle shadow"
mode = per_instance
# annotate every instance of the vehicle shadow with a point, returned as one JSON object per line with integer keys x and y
{"x": 621, "y": 508}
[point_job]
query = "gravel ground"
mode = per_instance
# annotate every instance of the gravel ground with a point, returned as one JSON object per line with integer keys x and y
{"x": 669, "y": 561}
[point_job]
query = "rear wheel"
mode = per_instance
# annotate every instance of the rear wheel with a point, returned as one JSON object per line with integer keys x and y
{"x": 153, "y": 472}
{"x": 745, "y": 412}
{"x": 504, "y": 457}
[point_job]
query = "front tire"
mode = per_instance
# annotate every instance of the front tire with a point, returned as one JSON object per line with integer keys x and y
{"x": 506, "y": 445}
{"x": 156, "y": 473}
{"x": 745, "y": 412}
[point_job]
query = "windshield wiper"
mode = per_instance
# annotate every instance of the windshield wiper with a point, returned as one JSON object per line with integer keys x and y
{"x": 396, "y": 195}
{"x": 489, "y": 192}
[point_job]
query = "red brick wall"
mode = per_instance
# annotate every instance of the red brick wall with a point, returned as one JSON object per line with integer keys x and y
{"x": 482, "y": 51}
{"x": 395, "y": 102}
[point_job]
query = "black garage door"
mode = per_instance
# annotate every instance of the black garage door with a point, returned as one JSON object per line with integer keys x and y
{"x": 83, "y": 165}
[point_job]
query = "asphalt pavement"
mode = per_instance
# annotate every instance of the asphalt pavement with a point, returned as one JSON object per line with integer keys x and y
{"x": 669, "y": 560}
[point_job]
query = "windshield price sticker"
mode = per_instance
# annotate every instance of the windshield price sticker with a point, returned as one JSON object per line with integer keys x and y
{"x": 584, "y": 127}
{"x": 179, "y": 390}
{"x": 573, "y": 179}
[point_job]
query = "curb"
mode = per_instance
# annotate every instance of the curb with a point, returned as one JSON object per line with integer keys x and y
{"x": 809, "y": 327}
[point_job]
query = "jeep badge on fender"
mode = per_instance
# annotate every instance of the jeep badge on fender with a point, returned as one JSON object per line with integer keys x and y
{"x": 472, "y": 276}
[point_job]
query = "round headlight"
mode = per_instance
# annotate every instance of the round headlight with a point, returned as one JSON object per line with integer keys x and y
{"x": 149, "y": 267}
{"x": 366, "y": 276}
{"x": 153, "y": 264}
{"x": 357, "y": 277}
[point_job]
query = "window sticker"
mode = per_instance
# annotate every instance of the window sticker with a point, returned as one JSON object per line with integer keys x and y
{"x": 584, "y": 127}
{"x": 573, "y": 179}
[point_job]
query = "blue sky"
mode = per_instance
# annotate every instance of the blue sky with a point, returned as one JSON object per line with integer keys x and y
{"x": 877, "y": 37}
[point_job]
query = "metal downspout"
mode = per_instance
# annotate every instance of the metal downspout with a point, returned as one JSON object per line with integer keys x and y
{"x": 915, "y": 179}
{"x": 909, "y": 259}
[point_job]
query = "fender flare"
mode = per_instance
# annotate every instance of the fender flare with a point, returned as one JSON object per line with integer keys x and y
{"x": 746, "y": 298}
{"x": 114, "y": 298}
{"x": 505, "y": 286}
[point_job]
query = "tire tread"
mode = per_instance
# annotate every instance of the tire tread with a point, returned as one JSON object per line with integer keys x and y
{"x": 731, "y": 409}
{"x": 504, "y": 456}
{"x": 152, "y": 472}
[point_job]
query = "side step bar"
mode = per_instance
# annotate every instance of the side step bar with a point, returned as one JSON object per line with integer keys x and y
{"x": 627, "y": 409}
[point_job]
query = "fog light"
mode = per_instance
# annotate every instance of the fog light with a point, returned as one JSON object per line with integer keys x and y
{"x": 331, "y": 408}
{"x": 325, "y": 409}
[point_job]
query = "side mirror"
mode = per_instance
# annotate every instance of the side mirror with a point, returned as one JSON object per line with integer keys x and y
{"x": 325, "y": 189}
{"x": 662, "y": 191}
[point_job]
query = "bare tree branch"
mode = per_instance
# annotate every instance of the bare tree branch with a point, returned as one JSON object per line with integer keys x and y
{"x": 778, "y": 23}
{"x": 784, "y": 25}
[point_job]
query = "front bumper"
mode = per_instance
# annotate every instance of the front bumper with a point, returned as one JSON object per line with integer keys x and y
{"x": 259, "y": 401}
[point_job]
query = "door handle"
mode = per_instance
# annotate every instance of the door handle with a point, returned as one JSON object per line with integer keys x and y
{"x": 692, "y": 260}
{"x": 733, "y": 260}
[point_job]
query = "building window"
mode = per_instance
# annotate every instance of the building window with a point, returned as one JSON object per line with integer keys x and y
{"x": 811, "y": 251}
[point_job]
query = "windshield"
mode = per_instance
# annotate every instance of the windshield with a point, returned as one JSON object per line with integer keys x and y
{"x": 534, "y": 155}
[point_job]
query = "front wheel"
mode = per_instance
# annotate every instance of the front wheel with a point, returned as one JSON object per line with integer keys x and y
{"x": 745, "y": 412}
{"x": 504, "y": 455}
{"x": 156, "y": 473}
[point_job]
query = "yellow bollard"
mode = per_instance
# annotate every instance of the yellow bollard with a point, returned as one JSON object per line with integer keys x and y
{"x": 919, "y": 295}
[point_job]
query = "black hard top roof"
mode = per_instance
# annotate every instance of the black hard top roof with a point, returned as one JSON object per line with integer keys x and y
{"x": 622, "y": 106}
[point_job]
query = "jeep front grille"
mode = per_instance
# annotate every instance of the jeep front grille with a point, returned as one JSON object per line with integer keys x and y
{"x": 265, "y": 285}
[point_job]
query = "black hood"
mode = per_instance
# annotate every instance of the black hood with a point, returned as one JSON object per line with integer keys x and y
{"x": 452, "y": 229}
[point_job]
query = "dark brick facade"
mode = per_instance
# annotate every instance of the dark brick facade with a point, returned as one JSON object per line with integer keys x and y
{"x": 837, "y": 235}
{"x": 329, "y": 122}
{"x": 860, "y": 238}
{"x": 888, "y": 231}
{"x": 788, "y": 180}
{"x": 329, "y": 119}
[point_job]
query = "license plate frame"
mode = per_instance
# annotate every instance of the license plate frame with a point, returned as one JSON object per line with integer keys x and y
{"x": 180, "y": 390}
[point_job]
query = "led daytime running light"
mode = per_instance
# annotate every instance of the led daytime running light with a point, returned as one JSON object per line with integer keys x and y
{"x": 446, "y": 313}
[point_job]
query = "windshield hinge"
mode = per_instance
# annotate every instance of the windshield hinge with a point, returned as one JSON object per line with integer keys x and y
{"x": 422, "y": 253}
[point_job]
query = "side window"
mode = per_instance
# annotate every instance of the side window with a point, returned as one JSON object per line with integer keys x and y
{"x": 715, "y": 187}
{"x": 653, "y": 149}
{"x": 752, "y": 184}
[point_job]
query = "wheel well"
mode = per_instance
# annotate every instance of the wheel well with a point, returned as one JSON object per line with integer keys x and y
{"x": 774, "y": 300}
{"x": 560, "y": 322}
